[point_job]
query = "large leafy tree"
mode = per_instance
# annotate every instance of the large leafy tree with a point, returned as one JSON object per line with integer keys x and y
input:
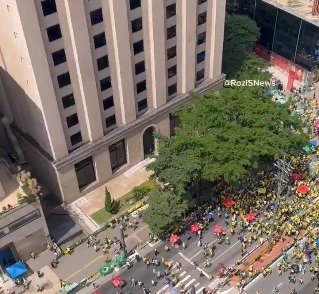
{"x": 241, "y": 33}
{"x": 226, "y": 135}
{"x": 165, "y": 207}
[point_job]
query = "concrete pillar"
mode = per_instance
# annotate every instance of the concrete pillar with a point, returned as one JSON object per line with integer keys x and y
{"x": 40, "y": 91}
{"x": 2, "y": 193}
{"x": 135, "y": 149}
{"x": 155, "y": 52}
{"x": 186, "y": 46}
{"x": 102, "y": 165}
{"x": 119, "y": 49}
{"x": 214, "y": 37}
{"x": 77, "y": 47}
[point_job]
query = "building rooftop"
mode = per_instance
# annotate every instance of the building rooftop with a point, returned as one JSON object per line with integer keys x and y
{"x": 299, "y": 8}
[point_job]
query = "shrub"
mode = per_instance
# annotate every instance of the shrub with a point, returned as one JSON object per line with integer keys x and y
{"x": 142, "y": 190}
{"x": 110, "y": 205}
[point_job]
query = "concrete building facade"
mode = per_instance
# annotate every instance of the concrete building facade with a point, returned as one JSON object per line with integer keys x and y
{"x": 88, "y": 82}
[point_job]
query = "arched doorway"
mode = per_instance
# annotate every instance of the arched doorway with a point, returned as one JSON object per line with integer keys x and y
{"x": 149, "y": 142}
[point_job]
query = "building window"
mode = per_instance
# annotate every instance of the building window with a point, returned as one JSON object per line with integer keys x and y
{"x": 96, "y": 16}
{"x": 102, "y": 62}
{"x": 54, "y": 33}
{"x": 76, "y": 138}
{"x": 142, "y": 105}
{"x": 110, "y": 121}
{"x": 140, "y": 67}
{"x": 201, "y": 2}
{"x": 59, "y": 57}
{"x": 99, "y": 40}
{"x": 117, "y": 155}
{"x": 72, "y": 120}
{"x": 174, "y": 122}
{"x": 68, "y": 101}
{"x": 202, "y": 18}
{"x": 171, "y": 32}
{"x": 200, "y": 57}
{"x": 140, "y": 87}
{"x": 64, "y": 80}
{"x": 105, "y": 84}
{"x": 48, "y": 7}
{"x": 200, "y": 74}
{"x": 137, "y": 25}
{"x": 171, "y": 52}
{"x": 172, "y": 71}
{"x": 201, "y": 38}
{"x": 85, "y": 173}
{"x": 135, "y": 4}
{"x": 138, "y": 47}
{"x": 171, "y": 90}
{"x": 108, "y": 103}
{"x": 170, "y": 10}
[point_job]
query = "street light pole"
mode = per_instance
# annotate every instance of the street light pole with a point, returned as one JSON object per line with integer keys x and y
{"x": 123, "y": 240}
{"x": 284, "y": 171}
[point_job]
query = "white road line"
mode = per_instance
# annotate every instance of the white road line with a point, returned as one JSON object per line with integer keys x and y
{"x": 211, "y": 243}
{"x": 198, "y": 268}
{"x": 177, "y": 285}
{"x": 200, "y": 291}
{"x": 152, "y": 245}
{"x": 190, "y": 282}
{"x": 162, "y": 290}
{"x": 196, "y": 285}
{"x": 183, "y": 274}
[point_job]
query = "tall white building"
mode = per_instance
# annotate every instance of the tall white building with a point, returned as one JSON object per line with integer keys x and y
{"x": 89, "y": 81}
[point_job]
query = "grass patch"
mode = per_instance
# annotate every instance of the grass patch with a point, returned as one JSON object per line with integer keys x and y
{"x": 102, "y": 216}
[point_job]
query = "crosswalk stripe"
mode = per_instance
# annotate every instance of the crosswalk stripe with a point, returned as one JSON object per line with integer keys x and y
{"x": 200, "y": 291}
{"x": 190, "y": 282}
{"x": 183, "y": 274}
{"x": 162, "y": 290}
{"x": 196, "y": 285}
{"x": 177, "y": 285}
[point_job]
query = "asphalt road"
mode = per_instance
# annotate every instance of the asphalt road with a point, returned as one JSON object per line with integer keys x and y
{"x": 266, "y": 285}
{"x": 188, "y": 275}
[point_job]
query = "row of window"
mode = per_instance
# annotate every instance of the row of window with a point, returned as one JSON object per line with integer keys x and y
{"x": 54, "y": 33}
{"x": 85, "y": 171}
{"x": 49, "y": 7}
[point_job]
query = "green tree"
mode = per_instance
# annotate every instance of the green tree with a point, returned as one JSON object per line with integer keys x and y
{"x": 164, "y": 209}
{"x": 225, "y": 136}
{"x": 241, "y": 33}
{"x": 110, "y": 205}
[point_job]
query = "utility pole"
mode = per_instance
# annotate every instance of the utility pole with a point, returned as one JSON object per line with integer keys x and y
{"x": 123, "y": 240}
{"x": 285, "y": 170}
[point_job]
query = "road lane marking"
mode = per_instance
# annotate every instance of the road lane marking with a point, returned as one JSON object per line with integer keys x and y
{"x": 180, "y": 282}
{"x": 190, "y": 282}
{"x": 84, "y": 267}
{"x": 198, "y": 268}
{"x": 152, "y": 245}
{"x": 200, "y": 291}
{"x": 183, "y": 274}
{"x": 196, "y": 285}
{"x": 162, "y": 290}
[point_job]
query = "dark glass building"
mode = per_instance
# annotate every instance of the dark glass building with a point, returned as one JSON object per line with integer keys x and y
{"x": 281, "y": 32}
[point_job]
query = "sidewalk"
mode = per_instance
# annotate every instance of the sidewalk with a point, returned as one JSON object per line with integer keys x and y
{"x": 49, "y": 282}
{"x": 84, "y": 261}
{"x": 118, "y": 187}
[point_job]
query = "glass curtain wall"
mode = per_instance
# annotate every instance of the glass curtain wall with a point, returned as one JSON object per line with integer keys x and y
{"x": 281, "y": 32}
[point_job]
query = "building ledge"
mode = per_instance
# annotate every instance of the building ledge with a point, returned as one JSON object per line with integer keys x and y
{"x": 120, "y": 132}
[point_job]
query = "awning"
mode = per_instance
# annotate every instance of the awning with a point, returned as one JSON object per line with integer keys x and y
{"x": 16, "y": 270}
